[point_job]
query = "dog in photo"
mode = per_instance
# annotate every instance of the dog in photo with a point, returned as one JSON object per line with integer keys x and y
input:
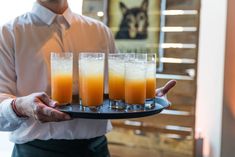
{"x": 134, "y": 22}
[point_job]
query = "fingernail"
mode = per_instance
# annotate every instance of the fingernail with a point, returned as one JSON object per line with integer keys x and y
{"x": 53, "y": 104}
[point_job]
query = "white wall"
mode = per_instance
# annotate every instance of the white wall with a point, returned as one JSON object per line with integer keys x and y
{"x": 11, "y": 8}
{"x": 5, "y": 146}
{"x": 210, "y": 74}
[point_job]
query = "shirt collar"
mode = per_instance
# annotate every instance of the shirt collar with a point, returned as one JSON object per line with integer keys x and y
{"x": 47, "y": 16}
{"x": 68, "y": 15}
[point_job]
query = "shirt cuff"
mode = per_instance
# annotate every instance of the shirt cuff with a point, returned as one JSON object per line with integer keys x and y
{"x": 9, "y": 113}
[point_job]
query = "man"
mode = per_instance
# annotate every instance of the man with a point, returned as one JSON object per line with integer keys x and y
{"x": 38, "y": 130}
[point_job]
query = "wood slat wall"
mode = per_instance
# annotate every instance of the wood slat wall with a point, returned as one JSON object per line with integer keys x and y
{"x": 128, "y": 143}
{"x": 171, "y": 133}
{"x": 183, "y": 53}
{"x": 181, "y": 20}
{"x": 183, "y": 4}
{"x": 147, "y": 136}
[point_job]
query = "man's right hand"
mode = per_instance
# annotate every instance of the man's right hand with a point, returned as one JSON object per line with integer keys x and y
{"x": 40, "y": 107}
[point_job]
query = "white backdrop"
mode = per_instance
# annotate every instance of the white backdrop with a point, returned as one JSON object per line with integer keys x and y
{"x": 8, "y": 10}
{"x": 211, "y": 74}
{"x": 11, "y": 8}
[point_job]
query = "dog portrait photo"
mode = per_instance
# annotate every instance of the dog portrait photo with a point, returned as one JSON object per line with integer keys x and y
{"x": 134, "y": 23}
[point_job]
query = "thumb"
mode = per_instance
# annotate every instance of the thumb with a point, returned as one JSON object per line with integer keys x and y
{"x": 164, "y": 90}
{"x": 168, "y": 86}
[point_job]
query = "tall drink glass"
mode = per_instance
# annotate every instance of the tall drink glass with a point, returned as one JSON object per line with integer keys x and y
{"x": 135, "y": 81}
{"x": 91, "y": 67}
{"x": 79, "y": 82}
{"x": 62, "y": 77}
{"x": 116, "y": 73}
{"x": 151, "y": 76}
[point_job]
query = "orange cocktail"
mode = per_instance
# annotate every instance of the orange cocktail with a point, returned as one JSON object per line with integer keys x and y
{"x": 135, "y": 80}
{"x": 62, "y": 88}
{"x": 150, "y": 88}
{"x": 116, "y": 87}
{"x": 135, "y": 91}
{"x": 92, "y": 90}
{"x": 80, "y": 85}
{"x": 62, "y": 77}
{"x": 116, "y": 64}
{"x": 151, "y": 76}
{"x": 91, "y": 79}
{"x": 79, "y": 82}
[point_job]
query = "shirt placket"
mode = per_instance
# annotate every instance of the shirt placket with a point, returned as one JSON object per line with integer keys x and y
{"x": 60, "y": 29}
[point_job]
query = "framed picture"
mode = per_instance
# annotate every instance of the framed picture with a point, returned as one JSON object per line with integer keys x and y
{"x": 135, "y": 23}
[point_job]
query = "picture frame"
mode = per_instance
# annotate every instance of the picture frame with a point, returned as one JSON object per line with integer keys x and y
{"x": 135, "y": 24}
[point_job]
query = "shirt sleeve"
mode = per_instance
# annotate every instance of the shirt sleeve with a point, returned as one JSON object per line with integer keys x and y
{"x": 7, "y": 61}
{"x": 8, "y": 119}
{"x": 111, "y": 41}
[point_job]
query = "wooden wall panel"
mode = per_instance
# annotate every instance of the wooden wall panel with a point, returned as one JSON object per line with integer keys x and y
{"x": 122, "y": 151}
{"x": 181, "y": 37}
{"x": 182, "y": 20}
{"x": 183, "y": 93}
{"x": 183, "y": 87}
{"x": 180, "y": 53}
{"x": 148, "y": 128}
{"x": 180, "y": 69}
{"x": 182, "y": 4}
{"x": 183, "y": 107}
{"x": 126, "y": 143}
{"x": 161, "y": 120}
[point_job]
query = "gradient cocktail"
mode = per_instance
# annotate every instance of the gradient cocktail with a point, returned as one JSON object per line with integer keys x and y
{"x": 91, "y": 79}
{"x": 151, "y": 76}
{"x": 62, "y": 77}
{"x": 116, "y": 74}
{"x": 135, "y": 80}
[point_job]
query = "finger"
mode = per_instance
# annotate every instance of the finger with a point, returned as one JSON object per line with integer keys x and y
{"x": 163, "y": 90}
{"x": 45, "y": 118}
{"x": 55, "y": 115}
{"x": 159, "y": 92}
{"x": 44, "y": 113}
{"x": 53, "y": 103}
{"x": 169, "y": 85}
{"x": 42, "y": 118}
{"x": 46, "y": 99}
{"x": 43, "y": 97}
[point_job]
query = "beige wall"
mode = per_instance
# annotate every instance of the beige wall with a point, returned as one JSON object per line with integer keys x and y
{"x": 228, "y": 120}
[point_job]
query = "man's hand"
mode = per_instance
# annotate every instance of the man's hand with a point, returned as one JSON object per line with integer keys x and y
{"x": 164, "y": 90}
{"x": 40, "y": 107}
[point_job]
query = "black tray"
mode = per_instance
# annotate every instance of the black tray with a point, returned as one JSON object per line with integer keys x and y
{"x": 106, "y": 112}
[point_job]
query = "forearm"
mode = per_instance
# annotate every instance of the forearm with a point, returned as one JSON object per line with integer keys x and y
{"x": 9, "y": 121}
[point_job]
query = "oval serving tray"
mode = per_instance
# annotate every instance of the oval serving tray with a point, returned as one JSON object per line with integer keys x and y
{"x": 107, "y": 112}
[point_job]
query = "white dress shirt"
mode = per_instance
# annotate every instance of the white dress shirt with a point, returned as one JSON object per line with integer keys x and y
{"x": 25, "y": 46}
